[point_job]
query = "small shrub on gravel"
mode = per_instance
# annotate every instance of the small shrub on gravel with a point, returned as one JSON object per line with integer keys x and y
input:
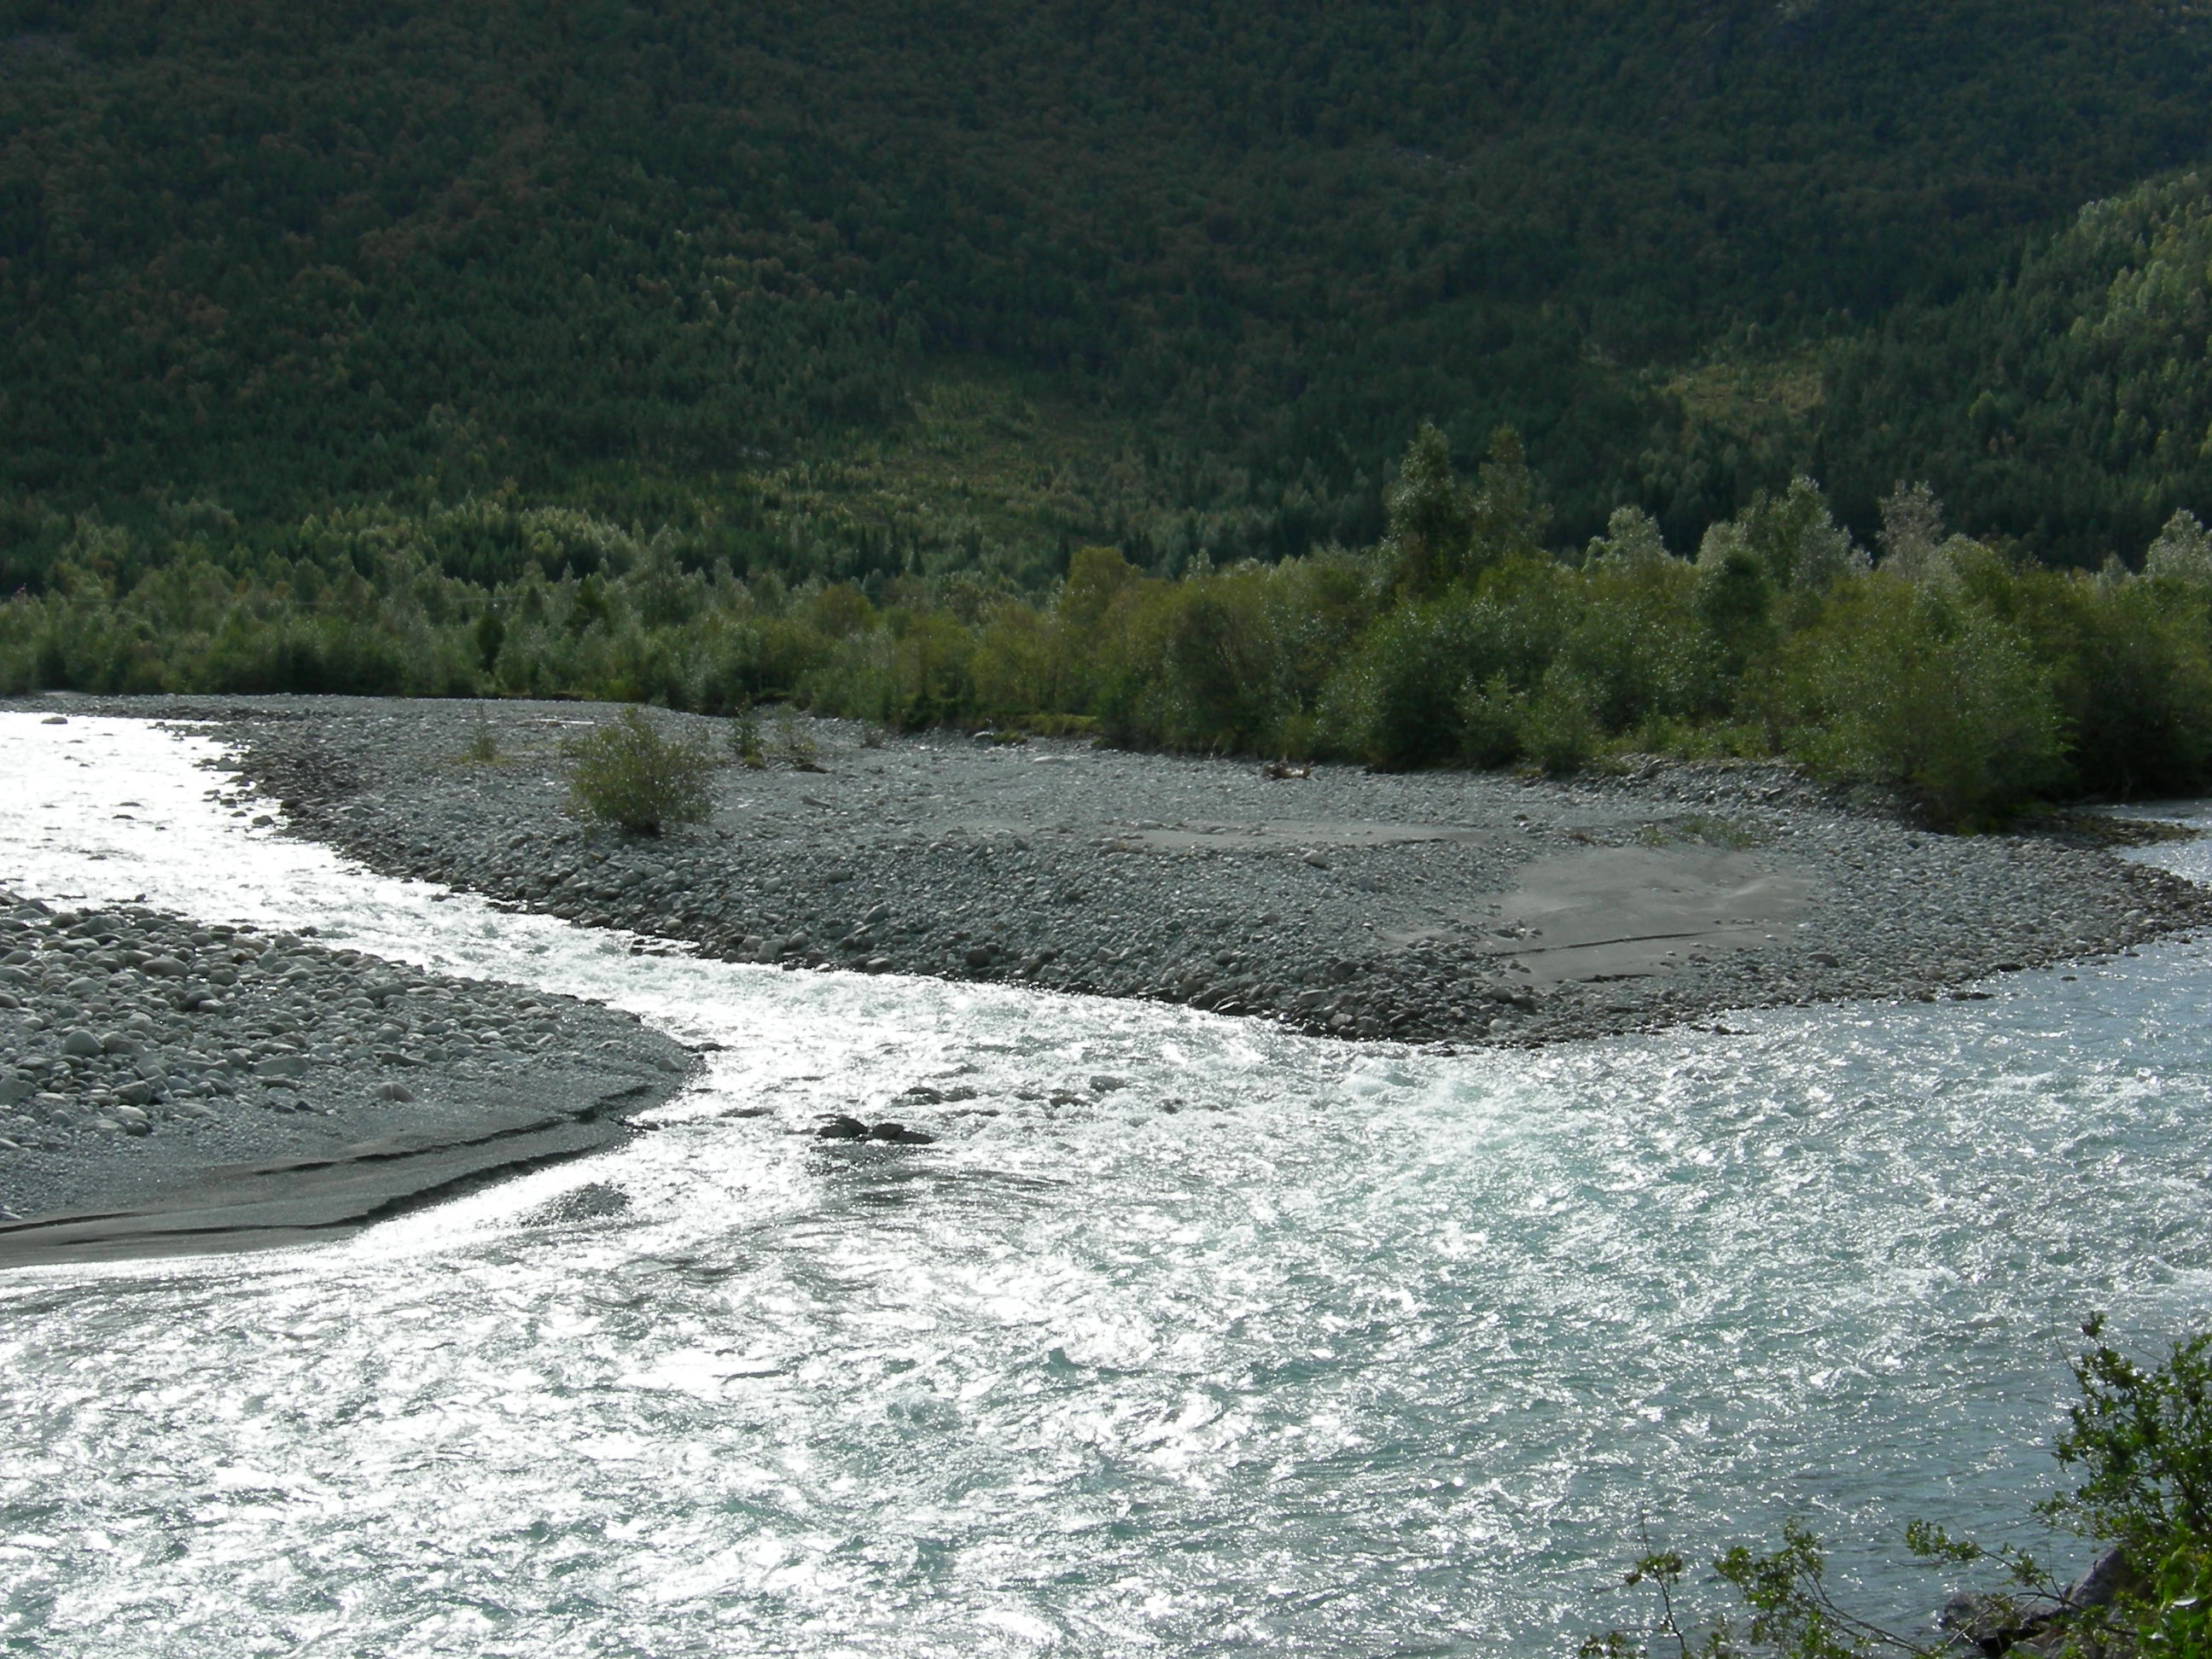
{"x": 628, "y": 774}
{"x": 483, "y": 746}
{"x": 746, "y": 736}
{"x": 794, "y": 745}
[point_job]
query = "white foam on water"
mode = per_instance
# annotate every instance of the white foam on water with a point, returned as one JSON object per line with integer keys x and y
{"x": 1356, "y": 1351}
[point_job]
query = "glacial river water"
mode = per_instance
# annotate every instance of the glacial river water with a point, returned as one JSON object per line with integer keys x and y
{"x": 1352, "y": 1352}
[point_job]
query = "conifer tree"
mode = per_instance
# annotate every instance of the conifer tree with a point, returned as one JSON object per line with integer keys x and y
{"x": 1433, "y": 517}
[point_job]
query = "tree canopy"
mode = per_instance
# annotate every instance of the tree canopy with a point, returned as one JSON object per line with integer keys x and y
{"x": 646, "y": 258}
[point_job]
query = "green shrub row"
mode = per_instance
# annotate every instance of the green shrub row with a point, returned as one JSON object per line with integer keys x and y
{"x": 1972, "y": 681}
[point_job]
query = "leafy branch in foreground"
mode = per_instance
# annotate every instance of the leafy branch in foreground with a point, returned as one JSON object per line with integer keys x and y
{"x": 1785, "y": 1595}
{"x": 2141, "y": 1439}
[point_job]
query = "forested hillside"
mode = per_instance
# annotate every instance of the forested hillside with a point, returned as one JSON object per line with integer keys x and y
{"x": 2070, "y": 401}
{"x": 836, "y": 291}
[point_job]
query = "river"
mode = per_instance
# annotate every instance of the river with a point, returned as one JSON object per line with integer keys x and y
{"x": 1355, "y": 1351}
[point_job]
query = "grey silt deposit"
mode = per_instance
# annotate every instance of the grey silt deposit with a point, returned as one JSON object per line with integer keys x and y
{"x": 171, "y": 1084}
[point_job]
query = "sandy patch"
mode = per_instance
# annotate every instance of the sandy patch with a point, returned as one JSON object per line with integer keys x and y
{"x": 1613, "y": 913}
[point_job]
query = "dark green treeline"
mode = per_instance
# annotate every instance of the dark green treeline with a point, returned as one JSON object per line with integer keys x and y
{"x": 1974, "y": 681}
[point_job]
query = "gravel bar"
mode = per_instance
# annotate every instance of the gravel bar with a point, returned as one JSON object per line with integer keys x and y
{"x": 1450, "y": 908}
{"x": 170, "y": 1086}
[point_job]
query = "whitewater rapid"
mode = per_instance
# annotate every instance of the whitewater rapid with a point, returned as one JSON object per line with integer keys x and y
{"x": 1352, "y": 1352}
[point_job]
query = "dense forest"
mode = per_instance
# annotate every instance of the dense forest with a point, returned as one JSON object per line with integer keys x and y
{"x": 2069, "y": 401}
{"x": 879, "y": 288}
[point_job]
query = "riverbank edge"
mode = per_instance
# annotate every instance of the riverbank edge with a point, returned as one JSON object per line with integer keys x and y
{"x": 227, "y": 1209}
{"x": 172, "y": 1085}
{"x": 2133, "y": 903}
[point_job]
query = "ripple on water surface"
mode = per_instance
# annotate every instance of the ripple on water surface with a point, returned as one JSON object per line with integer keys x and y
{"x": 1351, "y": 1352}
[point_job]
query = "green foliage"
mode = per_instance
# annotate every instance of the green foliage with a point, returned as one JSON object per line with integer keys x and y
{"x": 626, "y": 774}
{"x": 1561, "y": 730}
{"x": 1938, "y": 698}
{"x": 1662, "y": 1570}
{"x": 483, "y": 748}
{"x": 1228, "y": 660}
{"x": 2131, "y": 666}
{"x": 2182, "y": 553}
{"x": 491, "y": 637}
{"x": 1632, "y": 537}
{"x": 746, "y": 736}
{"x": 1786, "y": 1594}
{"x": 794, "y": 745}
{"x": 1788, "y": 1612}
{"x": 2065, "y": 403}
{"x": 2140, "y": 1438}
{"x": 1975, "y": 687}
{"x": 1509, "y": 517}
{"x": 1441, "y": 531}
{"x": 1796, "y": 541}
{"x": 1398, "y": 703}
{"x": 2177, "y": 1617}
{"x": 1493, "y": 717}
{"x": 1701, "y": 828}
{"x": 1641, "y": 644}
{"x": 1431, "y": 517}
{"x": 1735, "y": 598}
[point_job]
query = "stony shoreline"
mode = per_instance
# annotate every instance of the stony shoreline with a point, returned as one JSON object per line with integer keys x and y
{"x": 174, "y": 1086}
{"x": 1440, "y": 908}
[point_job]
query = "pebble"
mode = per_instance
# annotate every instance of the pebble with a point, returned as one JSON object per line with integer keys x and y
{"x": 156, "y": 1057}
{"x": 929, "y": 856}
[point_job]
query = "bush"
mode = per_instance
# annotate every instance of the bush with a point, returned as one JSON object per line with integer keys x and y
{"x": 929, "y": 677}
{"x": 1561, "y": 730}
{"x": 320, "y": 655}
{"x": 1640, "y": 643}
{"x": 1431, "y": 517}
{"x": 1406, "y": 697}
{"x": 794, "y": 744}
{"x": 1458, "y": 640}
{"x": 2133, "y": 674}
{"x": 1221, "y": 668}
{"x": 1491, "y": 715}
{"x": 2140, "y": 1438}
{"x": 626, "y": 774}
{"x": 746, "y": 736}
{"x": 1898, "y": 686}
{"x": 1396, "y": 703}
{"x": 483, "y": 748}
{"x": 1019, "y": 666}
{"x": 1233, "y": 660}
